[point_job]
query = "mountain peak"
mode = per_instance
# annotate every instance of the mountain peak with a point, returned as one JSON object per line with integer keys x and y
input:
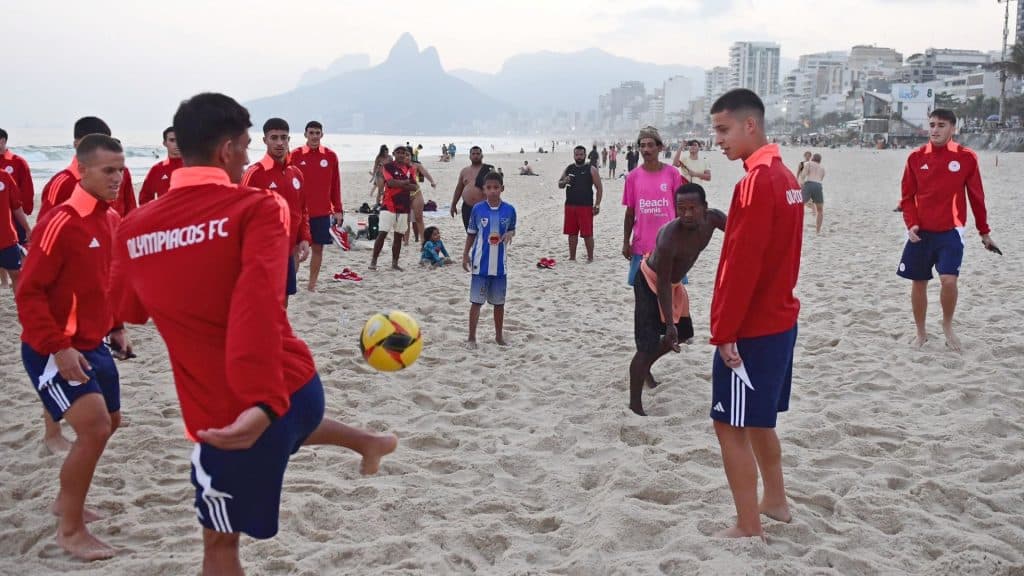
{"x": 429, "y": 58}
{"x": 404, "y": 50}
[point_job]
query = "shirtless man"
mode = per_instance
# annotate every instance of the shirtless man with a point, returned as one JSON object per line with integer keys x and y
{"x": 813, "y": 175}
{"x": 468, "y": 189}
{"x": 660, "y": 293}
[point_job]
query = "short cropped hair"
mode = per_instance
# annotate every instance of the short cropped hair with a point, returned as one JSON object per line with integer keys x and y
{"x": 93, "y": 142}
{"x": 816, "y": 158}
{"x": 205, "y": 120}
{"x": 691, "y": 188}
{"x": 90, "y": 125}
{"x": 476, "y": 148}
{"x": 314, "y": 124}
{"x": 581, "y": 147}
{"x": 494, "y": 176}
{"x": 692, "y": 142}
{"x": 944, "y": 114}
{"x": 739, "y": 100}
{"x": 3, "y": 134}
{"x": 168, "y": 130}
{"x": 275, "y": 124}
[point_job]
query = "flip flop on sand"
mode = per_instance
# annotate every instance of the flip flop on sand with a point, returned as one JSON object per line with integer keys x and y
{"x": 546, "y": 263}
{"x": 348, "y": 274}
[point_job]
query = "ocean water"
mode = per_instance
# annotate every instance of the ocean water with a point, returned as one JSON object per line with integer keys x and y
{"x": 47, "y": 154}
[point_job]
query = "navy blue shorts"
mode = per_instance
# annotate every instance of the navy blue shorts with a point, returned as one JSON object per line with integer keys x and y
{"x": 943, "y": 251}
{"x": 320, "y": 229}
{"x": 10, "y": 257}
{"x": 58, "y": 394}
{"x": 755, "y": 394}
{"x": 22, "y": 235}
{"x": 292, "y": 284}
{"x": 489, "y": 289}
{"x": 240, "y": 490}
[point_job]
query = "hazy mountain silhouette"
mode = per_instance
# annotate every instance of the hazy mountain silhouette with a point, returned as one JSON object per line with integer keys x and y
{"x": 573, "y": 80}
{"x": 407, "y": 94}
{"x": 346, "y": 63}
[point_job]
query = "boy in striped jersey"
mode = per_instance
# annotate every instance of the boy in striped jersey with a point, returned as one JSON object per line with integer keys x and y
{"x": 492, "y": 225}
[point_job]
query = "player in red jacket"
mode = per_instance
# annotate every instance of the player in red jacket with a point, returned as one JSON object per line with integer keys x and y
{"x": 934, "y": 207}
{"x": 322, "y": 181}
{"x": 60, "y": 187}
{"x": 247, "y": 385}
{"x": 754, "y": 312}
{"x": 12, "y": 220}
{"x": 159, "y": 177}
{"x": 65, "y": 314}
{"x": 274, "y": 173}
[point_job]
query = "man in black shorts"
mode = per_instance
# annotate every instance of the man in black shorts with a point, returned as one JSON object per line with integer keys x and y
{"x": 660, "y": 293}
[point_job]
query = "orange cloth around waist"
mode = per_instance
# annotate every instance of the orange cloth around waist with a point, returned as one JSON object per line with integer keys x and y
{"x": 680, "y": 299}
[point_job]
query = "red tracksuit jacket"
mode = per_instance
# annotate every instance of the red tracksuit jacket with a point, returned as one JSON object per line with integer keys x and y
{"x": 287, "y": 181}
{"x": 934, "y": 181}
{"x": 321, "y": 179}
{"x": 158, "y": 180}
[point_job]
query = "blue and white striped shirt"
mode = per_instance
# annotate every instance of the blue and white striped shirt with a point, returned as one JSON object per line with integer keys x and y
{"x": 490, "y": 225}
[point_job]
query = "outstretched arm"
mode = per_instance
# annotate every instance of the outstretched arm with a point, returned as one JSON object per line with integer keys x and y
{"x": 717, "y": 218}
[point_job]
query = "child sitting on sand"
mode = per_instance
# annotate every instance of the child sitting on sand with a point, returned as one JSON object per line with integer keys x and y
{"x": 433, "y": 248}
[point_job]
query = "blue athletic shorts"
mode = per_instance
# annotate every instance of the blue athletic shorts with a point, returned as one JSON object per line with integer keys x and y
{"x": 768, "y": 361}
{"x": 320, "y": 229}
{"x": 292, "y": 284}
{"x": 942, "y": 250}
{"x": 22, "y": 235}
{"x": 10, "y": 257}
{"x": 489, "y": 289}
{"x": 240, "y": 490}
{"x": 58, "y": 394}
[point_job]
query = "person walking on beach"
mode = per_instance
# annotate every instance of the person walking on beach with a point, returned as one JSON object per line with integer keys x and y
{"x": 322, "y": 181}
{"x": 660, "y": 294}
{"x": 604, "y": 156}
{"x": 248, "y": 388}
{"x": 376, "y": 178}
{"x": 632, "y": 158}
{"x": 470, "y": 188}
{"x": 579, "y": 180}
{"x": 613, "y": 156}
{"x": 937, "y": 181}
{"x": 158, "y": 179}
{"x": 812, "y": 190}
{"x": 754, "y": 312}
{"x": 274, "y": 173}
{"x": 492, "y": 226}
{"x": 399, "y": 183}
{"x": 65, "y": 312}
{"x": 18, "y": 169}
{"x": 649, "y": 198}
{"x": 594, "y": 157}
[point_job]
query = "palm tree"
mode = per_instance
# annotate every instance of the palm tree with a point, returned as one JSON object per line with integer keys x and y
{"x": 1010, "y": 68}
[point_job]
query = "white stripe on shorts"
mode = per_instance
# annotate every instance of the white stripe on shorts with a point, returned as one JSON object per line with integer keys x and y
{"x": 58, "y": 396}
{"x": 216, "y": 501}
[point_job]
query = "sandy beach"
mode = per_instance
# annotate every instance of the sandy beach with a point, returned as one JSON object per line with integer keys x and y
{"x": 526, "y": 460}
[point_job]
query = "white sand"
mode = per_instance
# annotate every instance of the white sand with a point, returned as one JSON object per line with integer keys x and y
{"x": 526, "y": 461}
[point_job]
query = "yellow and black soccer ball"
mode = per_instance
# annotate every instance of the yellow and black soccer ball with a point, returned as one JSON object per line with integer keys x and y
{"x": 391, "y": 342}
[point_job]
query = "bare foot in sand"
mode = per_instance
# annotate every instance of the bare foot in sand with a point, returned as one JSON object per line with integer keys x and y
{"x": 373, "y": 265}
{"x": 500, "y": 341}
{"x": 780, "y": 513}
{"x": 735, "y": 532}
{"x": 82, "y": 544}
{"x": 395, "y": 266}
{"x": 471, "y": 344}
{"x": 650, "y": 381}
{"x": 88, "y": 515}
{"x": 952, "y": 342}
{"x": 57, "y": 444}
{"x": 380, "y": 446}
{"x": 920, "y": 340}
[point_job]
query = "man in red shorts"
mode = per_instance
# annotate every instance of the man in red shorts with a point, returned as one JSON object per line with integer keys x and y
{"x": 579, "y": 180}
{"x": 248, "y": 387}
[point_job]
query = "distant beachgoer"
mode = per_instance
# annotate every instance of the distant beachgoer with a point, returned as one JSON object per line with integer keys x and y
{"x": 451, "y": 149}
{"x": 12, "y": 219}
{"x": 445, "y": 157}
{"x": 754, "y": 313}
{"x": 632, "y": 158}
{"x": 812, "y": 190}
{"x": 18, "y": 169}
{"x": 660, "y": 294}
{"x": 526, "y": 169}
{"x": 579, "y": 180}
{"x": 613, "y": 156}
{"x": 434, "y": 253}
{"x": 604, "y": 156}
{"x": 649, "y": 198}
{"x": 376, "y": 178}
{"x": 594, "y": 156}
{"x": 935, "y": 211}
{"x": 470, "y": 186}
{"x": 399, "y": 182}
{"x": 322, "y": 180}
{"x": 692, "y": 165}
{"x": 492, "y": 226}
{"x": 417, "y": 202}
{"x": 158, "y": 180}
{"x": 800, "y": 175}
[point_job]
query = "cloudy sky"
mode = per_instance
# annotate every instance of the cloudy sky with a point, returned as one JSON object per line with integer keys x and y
{"x": 131, "y": 62}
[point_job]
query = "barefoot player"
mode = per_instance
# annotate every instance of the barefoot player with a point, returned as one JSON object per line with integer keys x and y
{"x": 660, "y": 294}
{"x": 754, "y": 312}
{"x": 248, "y": 387}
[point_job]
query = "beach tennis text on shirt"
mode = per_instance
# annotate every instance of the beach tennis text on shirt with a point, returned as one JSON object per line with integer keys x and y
{"x": 163, "y": 240}
{"x": 653, "y": 206}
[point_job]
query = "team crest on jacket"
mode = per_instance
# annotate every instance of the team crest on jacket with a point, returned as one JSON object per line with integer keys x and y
{"x": 9, "y": 169}
{"x": 954, "y": 166}
{"x": 323, "y": 163}
{"x": 296, "y": 184}
{"x": 2, "y": 186}
{"x": 484, "y": 221}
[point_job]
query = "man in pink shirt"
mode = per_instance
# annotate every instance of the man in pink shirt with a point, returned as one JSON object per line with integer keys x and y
{"x": 649, "y": 198}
